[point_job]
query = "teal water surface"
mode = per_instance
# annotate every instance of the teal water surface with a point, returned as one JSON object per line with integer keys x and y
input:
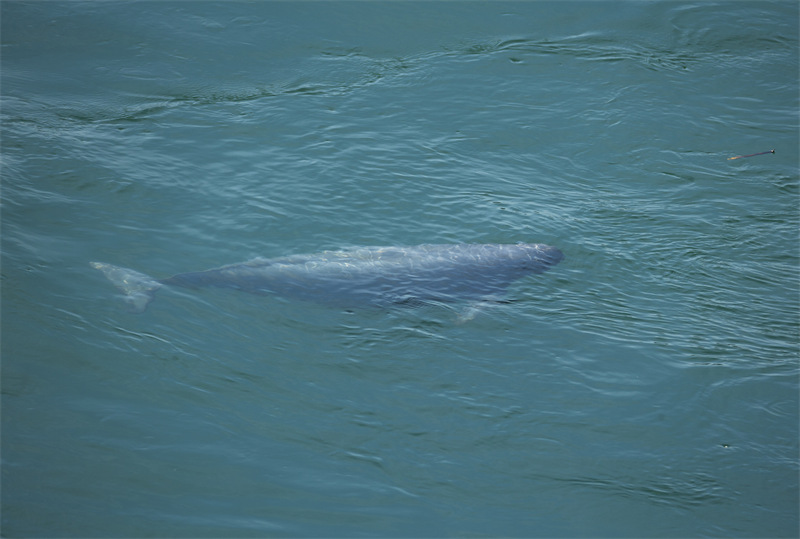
{"x": 647, "y": 386}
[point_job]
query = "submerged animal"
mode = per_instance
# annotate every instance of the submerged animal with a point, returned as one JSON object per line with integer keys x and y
{"x": 362, "y": 276}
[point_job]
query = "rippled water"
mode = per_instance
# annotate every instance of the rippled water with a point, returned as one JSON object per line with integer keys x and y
{"x": 646, "y": 386}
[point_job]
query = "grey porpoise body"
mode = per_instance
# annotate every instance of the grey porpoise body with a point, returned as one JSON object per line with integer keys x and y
{"x": 362, "y": 276}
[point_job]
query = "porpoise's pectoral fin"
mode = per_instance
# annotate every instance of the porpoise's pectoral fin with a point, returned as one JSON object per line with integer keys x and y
{"x": 476, "y": 307}
{"x": 139, "y": 289}
{"x": 469, "y": 313}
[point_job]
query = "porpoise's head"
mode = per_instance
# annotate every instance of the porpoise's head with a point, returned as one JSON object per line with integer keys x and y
{"x": 538, "y": 257}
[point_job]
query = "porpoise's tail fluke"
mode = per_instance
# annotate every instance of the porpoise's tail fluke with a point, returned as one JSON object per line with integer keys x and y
{"x": 139, "y": 289}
